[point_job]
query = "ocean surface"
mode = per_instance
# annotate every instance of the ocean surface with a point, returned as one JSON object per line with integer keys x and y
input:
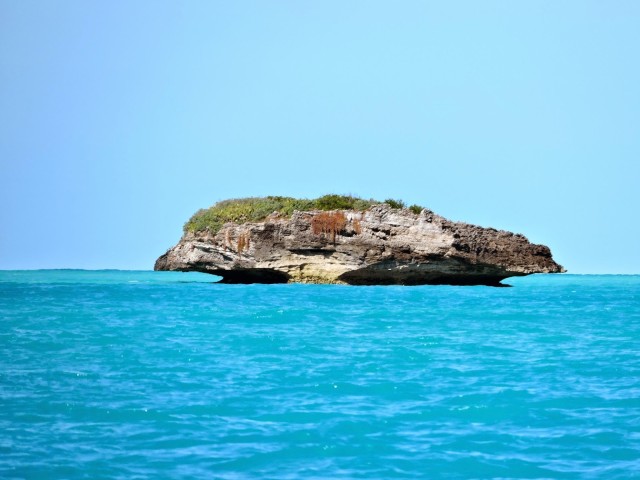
{"x": 117, "y": 374}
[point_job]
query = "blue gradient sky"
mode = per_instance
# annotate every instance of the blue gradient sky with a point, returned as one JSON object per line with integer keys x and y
{"x": 119, "y": 119}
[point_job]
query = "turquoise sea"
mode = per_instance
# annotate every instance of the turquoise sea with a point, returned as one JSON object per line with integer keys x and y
{"x": 119, "y": 374}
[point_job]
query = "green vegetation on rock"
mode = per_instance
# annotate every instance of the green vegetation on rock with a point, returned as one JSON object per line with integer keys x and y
{"x": 395, "y": 203}
{"x": 256, "y": 209}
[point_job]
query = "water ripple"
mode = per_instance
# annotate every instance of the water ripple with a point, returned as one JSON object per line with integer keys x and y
{"x": 141, "y": 374}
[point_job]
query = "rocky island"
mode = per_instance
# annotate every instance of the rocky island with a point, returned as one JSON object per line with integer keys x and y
{"x": 348, "y": 240}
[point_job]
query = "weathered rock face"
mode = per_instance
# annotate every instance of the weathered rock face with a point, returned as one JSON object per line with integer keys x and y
{"x": 381, "y": 246}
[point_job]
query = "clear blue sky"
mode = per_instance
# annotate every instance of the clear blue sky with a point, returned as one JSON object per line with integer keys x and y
{"x": 119, "y": 119}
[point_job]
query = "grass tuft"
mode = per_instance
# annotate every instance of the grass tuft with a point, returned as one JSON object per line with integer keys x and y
{"x": 399, "y": 204}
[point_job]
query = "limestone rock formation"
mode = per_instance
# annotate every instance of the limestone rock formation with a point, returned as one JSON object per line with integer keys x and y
{"x": 380, "y": 246}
